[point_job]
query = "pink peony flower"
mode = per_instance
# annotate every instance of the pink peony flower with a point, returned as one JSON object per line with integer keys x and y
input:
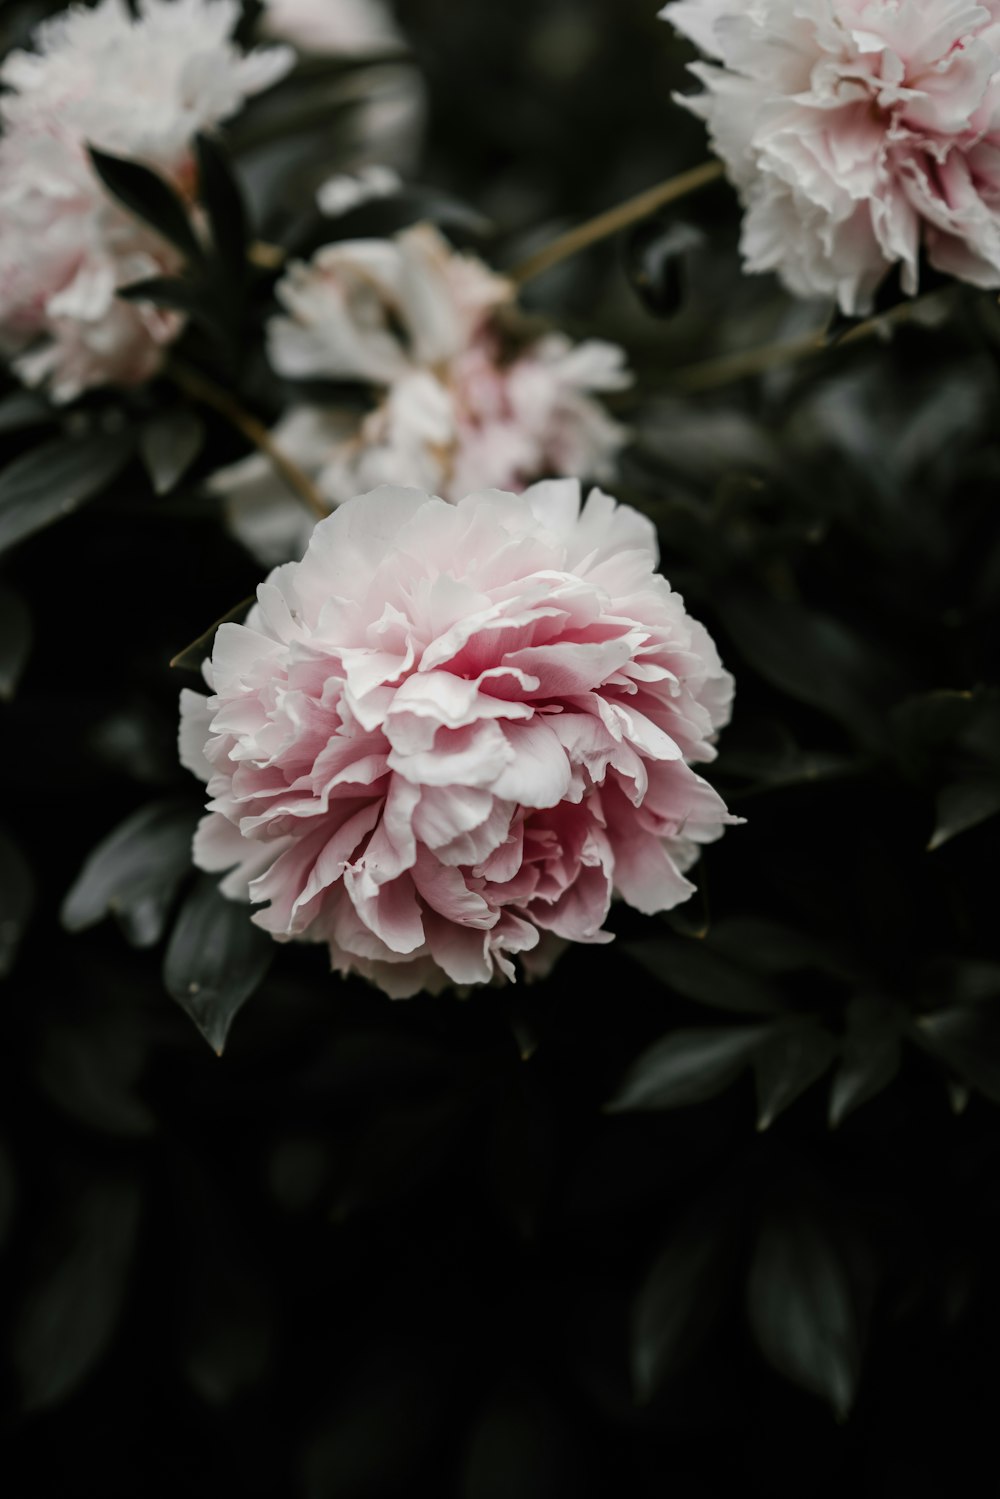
{"x": 857, "y": 132}
{"x": 451, "y": 733}
{"x": 465, "y": 395}
{"x": 139, "y": 88}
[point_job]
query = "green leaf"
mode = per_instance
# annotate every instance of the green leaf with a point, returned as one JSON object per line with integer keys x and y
{"x": 191, "y": 657}
{"x": 679, "y": 1301}
{"x": 968, "y": 1040}
{"x": 770, "y": 948}
{"x": 813, "y": 658}
{"x": 90, "y": 1071}
{"x": 56, "y": 478}
{"x": 687, "y": 1067}
{"x": 15, "y": 641}
{"x": 23, "y": 409}
{"x": 691, "y": 968}
{"x": 803, "y": 1310}
{"x": 67, "y": 1321}
{"x": 788, "y": 1063}
{"x": 168, "y": 444}
{"x": 870, "y": 1060}
{"x": 223, "y": 200}
{"x": 151, "y": 198}
{"x": 17, "y": 898}
{"x": 215, "y": 960}
{"x": 134, "y": 873}
{"x": 964, "y": 805}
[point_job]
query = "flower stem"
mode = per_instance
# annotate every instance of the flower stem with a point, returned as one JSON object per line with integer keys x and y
{"x": 632, "y": 211}
{"x": 205, "y": 391}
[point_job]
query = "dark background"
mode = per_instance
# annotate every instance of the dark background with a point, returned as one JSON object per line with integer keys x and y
{"x": 375, "y": 1251}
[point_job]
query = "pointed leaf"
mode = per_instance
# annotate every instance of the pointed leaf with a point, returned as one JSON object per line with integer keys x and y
{"x": 687, "y": 1067}
{"x": 215, "y": 960}
{"x": 869, "y": 1064}
{"x": 803, "y": 1309}
{"x": 787, "y": 1064}
{"x": 168, "y": 445}
{"x": 134, "y": 873}
{"x": 967, "y": 1039}
{"x": 963, "y": 806}
{"x": 15, "y": 641}
{"x": 150, "y": 197}
{"x": 55, "y": 479}
{"x": 223, "y": 200}
{"x": 692, "y": 969}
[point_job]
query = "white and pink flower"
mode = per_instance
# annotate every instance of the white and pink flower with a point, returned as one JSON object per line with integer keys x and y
{"x": 452, "y": 732}
{"x": 465, "y": 395}
{"x": 138, "y": 87}
{"x": 858, "y": 133}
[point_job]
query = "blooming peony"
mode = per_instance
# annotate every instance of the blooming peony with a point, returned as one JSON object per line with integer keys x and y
{"x": 332, "y": 27}
{"x": 451, "y": 733}
{"x": 139, "y": 88}
{"x": 465, "y": 395}
{"x": 857, "y": 132}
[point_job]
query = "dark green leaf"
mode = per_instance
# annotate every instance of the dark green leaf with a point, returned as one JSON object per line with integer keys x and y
{"x": 963, "y": 806}
{"x": 870, "y": 1060}
{"x": 55, "y": 479}
{"x": 17, "y": 897}
{"x": 687, "y": 1067}
{"x": 24, "y": 409}
{"x": 91, "y": 1072}
{"x": 803, "y": 1308}
{"x": 770, "y": 948}
{"x": 679, "y": 1302}
{"x": 691, "y": 968}
{"x": 215, "y": 960}
{"x": 150, "y": 198}
{"x": 812, "y": 657}
{"x": 67, "y": 1321}
{"x": 134, "y": 873}
{"x": 191, "y": 657}
{"x": 168, "y": 445}
{"x": 654, "y": 262}
{"x": 15, "y": 641}
{"x": 223, "y": 200}
{"x": 791, "y": 1059}
{"x": 967, "y": 1039}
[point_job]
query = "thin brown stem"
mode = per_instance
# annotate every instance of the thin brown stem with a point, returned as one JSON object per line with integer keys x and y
{"x": 632, "y": 211}
{"x": 201, "y": 389}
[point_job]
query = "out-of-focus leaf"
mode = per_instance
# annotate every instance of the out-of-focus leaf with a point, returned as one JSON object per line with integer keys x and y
{"x": 192, "y": 298}
{"x": 967, "y": 1039}
{"x": 680, "y": 1300}
{"x": 963, "y": 806}
{"x": 870, "y": 1059}
{"x": 520, "y": 1444}
{"x": 23, "y": 409}
{"x": 17, "y": 897}
{"x": 793, "y": 1057}
{"x": 56, "y": 478}
{"x": 191, "y": 657}
{"x": 215, "y": 960}
{"x": 692, "y": 969}
{"x": 686, "y": 1067}
{"x": 168, "y": 445}
{"x": 770, "y": 948}
{"x": 91, "y": 1072}
{"x": 654, "y": 258}
{"x": 803, "y": 1308}
{"x": 812, "y": 657}
{"x": 15, "y": 641}
{"x": 67, "y": 1321}
{"x": 150, "y": 198}
{"x": 223, "y": 200}
{"x": 134, "y": 873}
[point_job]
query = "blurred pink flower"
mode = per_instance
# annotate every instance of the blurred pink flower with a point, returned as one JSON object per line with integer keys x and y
{"x": 857, "y": 132}
{"x": 452, "y": 732}
{"x": 140, "y": 88}
{"x": 466, "y": 394}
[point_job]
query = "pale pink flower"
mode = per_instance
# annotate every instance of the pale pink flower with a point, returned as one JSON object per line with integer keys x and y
{"x": 137, "y": 87}
{"x": 452, "y": 732}
{"x": 346, "y": 28}
{"x": 858, "y": 132}
{"x": 465, "y": 394}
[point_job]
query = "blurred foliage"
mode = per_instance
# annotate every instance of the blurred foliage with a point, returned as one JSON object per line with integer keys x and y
{"x": 713, "y": 1209}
